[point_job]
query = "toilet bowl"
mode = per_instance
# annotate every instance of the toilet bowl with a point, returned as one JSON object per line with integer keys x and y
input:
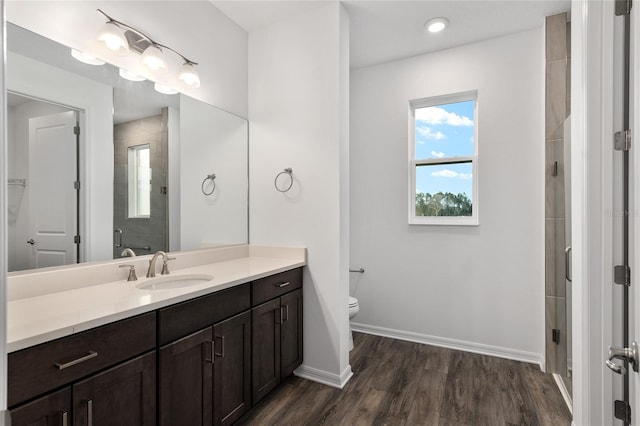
{"x": 354, "y": 308}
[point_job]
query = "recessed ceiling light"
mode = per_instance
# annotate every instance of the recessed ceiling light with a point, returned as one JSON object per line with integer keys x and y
{"x": 436, "y": 25}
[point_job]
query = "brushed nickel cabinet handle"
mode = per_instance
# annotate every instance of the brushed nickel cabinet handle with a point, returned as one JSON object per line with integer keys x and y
{"x": 65, "y": 418}
{"x": 88, "y": 356}
{"x": 89, "y": 413}
{"x": 221, "y": 354}
{"x": 286, "y": 313}
{"x": 212, "y": 347}
{"x": 284, "y": 284}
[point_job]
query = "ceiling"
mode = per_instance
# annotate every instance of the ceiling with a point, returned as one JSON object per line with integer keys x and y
{"x": 383, "y": 31}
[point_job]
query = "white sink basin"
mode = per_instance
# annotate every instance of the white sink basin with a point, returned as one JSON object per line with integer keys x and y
{"x": 168, "y": 282}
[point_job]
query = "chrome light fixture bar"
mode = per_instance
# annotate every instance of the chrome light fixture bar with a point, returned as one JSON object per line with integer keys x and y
{"x": 114, "y": 35}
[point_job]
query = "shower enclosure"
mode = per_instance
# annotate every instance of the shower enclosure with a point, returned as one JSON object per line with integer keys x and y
{"x": 558, "y": 202}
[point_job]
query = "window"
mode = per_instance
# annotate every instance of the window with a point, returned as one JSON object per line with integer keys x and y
{"x": 139, "y": 181}
{"x": 443, "y": 151}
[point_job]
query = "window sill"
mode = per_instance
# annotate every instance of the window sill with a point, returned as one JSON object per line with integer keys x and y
{"x": 444, "y": 221}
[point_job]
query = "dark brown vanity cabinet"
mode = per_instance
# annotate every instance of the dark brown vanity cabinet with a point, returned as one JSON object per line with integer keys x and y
{"x": 205, "y": 377}
{"x": 53, "y": 409}
{"x": 232, "y": 369}
{"x": 124, "y": 395}
{"x": 186, "y": 380}
{"x": 277, "y": 330}
{"x": 96, "y": 374}
{"x": 191, "y": 363}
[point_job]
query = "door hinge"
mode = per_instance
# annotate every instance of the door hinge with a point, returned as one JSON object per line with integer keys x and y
{"x": 622, "y": 411}
{"x": 163, "y": 189}
{"x": 76, "y": 239}
{"x": 76, "y": 130}
{"x": 623, "y": 7}
{"x": 555, "y": 336}
{"x": 622, "y": 275}
{"x": 622, "y": 140}
{"x": 76, "y": 185}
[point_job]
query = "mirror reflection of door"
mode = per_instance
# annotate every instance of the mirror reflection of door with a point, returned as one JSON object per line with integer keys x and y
{"x": 43, "y": 169}
{"x": 140, "y": 185}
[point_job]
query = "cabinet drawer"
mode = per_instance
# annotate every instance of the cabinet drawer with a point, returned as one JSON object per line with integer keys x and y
{"x": 35, "y": 370}
{"x": 276, "y": 285}
{"x": 188, "y": 317}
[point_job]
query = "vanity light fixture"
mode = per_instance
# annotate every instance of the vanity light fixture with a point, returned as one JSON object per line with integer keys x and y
{"x": 113, "y": 37}
{"x": 87, "y": 59}
{"x": 154, "y": 59}
{"x": 121, "y": 37}
{"x": 189, "y": 76}
{"x": 436, "y": 25}
{"x": 128, "y": 75}
{"x": 165, "y": 90}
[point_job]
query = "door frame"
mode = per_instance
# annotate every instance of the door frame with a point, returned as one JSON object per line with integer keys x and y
{"x": 82, "y": 212}
{"x": 634, "y": 320}
{"x": 592, "y": 82}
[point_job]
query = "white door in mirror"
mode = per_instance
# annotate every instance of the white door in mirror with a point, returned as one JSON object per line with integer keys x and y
{"x": 52, "y": 196}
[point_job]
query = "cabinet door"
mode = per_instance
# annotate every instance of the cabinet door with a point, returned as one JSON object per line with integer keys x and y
{"x": 51, "y": 410}
{"x": 121, "y": 396}
{"x": 291, "y": 332}
{"x": 232, "y": 369}
{"x": 265, "y": 348}
{"x": 186, "y": 380}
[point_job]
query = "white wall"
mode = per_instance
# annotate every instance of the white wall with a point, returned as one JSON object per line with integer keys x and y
{"x": 196, "y": 29}
{"x": 478, "y": 288}
{"x": 212, "y": 142}
{"x": 297, "y": 118}
{"x": 18, "y": 167}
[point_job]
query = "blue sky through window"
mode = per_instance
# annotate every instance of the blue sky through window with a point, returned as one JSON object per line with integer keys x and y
{"x": 445, "y": 131}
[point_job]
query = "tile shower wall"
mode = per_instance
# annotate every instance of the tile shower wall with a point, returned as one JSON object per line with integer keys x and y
{"x": 138, "y": 233}
{"x": 557, "y": 101}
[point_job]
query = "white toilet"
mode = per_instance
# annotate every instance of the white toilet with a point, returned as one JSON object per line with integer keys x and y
{"x": 354, "y": 308}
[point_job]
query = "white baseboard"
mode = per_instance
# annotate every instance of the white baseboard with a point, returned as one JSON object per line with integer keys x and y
{"x": 445, "y": 342}
{"x": 324, "y": 377}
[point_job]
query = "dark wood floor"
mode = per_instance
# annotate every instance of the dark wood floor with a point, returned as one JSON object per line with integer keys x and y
{"x": 404, "y": 383}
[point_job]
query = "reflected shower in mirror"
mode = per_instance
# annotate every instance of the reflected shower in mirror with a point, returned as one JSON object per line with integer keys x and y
{"x": 91, "y": 186}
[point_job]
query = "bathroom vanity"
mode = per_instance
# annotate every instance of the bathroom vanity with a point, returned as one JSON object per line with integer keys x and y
{"x": 199, "y": 354}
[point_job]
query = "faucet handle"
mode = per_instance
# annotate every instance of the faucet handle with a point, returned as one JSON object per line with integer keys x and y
{"x": 132, "y": 272}
{"x": 165, "y": 268}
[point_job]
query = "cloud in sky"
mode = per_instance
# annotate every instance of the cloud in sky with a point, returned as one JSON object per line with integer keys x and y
{"x": 426, "y": 132}
{"x": 437, "y": 115}
{"x": 437, "y": 154}
{"x": 451, "y": 174}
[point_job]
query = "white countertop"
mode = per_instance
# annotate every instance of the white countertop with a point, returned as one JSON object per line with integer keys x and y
{"x": 43, "y": 317}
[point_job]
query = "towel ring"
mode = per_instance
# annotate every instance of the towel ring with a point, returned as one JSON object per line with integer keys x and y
{"x": 287, "y": 171}
{"x": 212, "y": 178}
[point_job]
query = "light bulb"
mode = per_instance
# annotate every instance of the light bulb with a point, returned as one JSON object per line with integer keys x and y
{"x": 113, "y": 37}
{"x": 153, "y": 58}
{"x": 189, "y": 76}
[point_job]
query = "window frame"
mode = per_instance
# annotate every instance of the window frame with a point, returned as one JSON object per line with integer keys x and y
{"x": 133, "y": 188}
{"x": 415, "y": 104}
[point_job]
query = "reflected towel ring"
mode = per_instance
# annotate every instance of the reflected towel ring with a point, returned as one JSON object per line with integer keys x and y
{"x": 211, "y": 177}
{"x": 287, "y": 171}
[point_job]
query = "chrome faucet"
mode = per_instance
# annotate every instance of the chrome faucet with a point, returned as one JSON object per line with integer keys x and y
{"x": 128, "y": 252}
{"x": 152, "y": 264}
